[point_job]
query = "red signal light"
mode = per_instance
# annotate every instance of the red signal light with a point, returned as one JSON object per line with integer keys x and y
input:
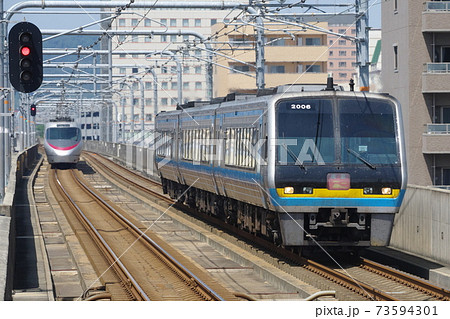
{"x": 25, "y": 51}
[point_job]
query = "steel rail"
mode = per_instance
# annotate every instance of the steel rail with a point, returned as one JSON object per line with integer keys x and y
{"x": 405, "y": 279}
{"x": 341, "y": 279}
{"x": 168, "y": 257}
{"x": 125, "y": 275}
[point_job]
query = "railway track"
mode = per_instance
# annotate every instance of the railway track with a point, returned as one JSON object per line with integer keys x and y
{"x": 368, "y": 285}
{"x": 138, "y": 264}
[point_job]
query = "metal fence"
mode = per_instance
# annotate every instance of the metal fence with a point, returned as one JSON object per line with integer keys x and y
{"x": 437, "y": 67}
{"x": 437, "y": 6}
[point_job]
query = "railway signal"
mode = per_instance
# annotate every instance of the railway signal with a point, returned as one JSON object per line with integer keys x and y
{"x": 33, "y": 110}
{"x": 25, "y": 57}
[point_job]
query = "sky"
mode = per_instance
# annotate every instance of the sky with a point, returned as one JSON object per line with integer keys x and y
{"x": 44, "y": 20}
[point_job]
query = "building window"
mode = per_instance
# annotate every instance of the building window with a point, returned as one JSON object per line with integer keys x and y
{"x": 122, "y": 70}
{"x": 185, "y": 22}
{"x": 331, "y": 53}
{"x": 331, "y": 64}
{"x": 164, "y": 38}
{"x": 198, "y": 85}
{"x": 164, "y": 101}
{"x": 135, "y": 102}
{"x": 198, "y": 69}
{"x": 148, "y": 117}
{"x": 353, "y": 53}
{"x": 148, "y": 102}
{"x": 186, "y": 86}
{"x": 395, "y": 6}
{"x": 163, "y": 22}
{"x": 121, "y": 22}
{"x": 148, "y": 85}
{"x": 164, "y": 69}
{"x": 185, "y": 38}
{"x": 164, "y": 85}
{"x": 121, "y": 38}
{"x": 186, "y": 70}
{"x": 148, "y": 39}
{"x": 134, "y": 70}
{"x": 242, "y": 68}
{"x": 173, "y": 22}
{"x": 313, "y": 41}
{"x": 213, "y": 21}
{"x": 147, "y": 22}
{"x": 342, "y": 64}
{"x": 134, "y": 38}
{"x": 198, "y": 22}
{"x": 134, "y": 22}
{"x": 331, "y": 42}
{"x": 342, "y": 75}
{"x": 395, "y": 57}
{"x": 354, "y": 64}
{"x": 173, "y": 38}
{"x": 342, "y": 53}
{"x": 135, "y": 86}
{"x": 174, "y": 85}
{"x": 341, "y": 31}
{"x": 275, "y": 42}
{"x": 198, "y": 52}
{"x": 276, "y": 69}
{"x": 313, "y": 68}
{"x": 342, "y": 42}
{"x": 122, "y": 55}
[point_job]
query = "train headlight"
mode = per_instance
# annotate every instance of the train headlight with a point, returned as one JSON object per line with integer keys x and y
{"x": 289, "y": 190}
{"x": 307, "y": 190}
{"x": 386, "y": 191}
{"x": 368, "y": 190}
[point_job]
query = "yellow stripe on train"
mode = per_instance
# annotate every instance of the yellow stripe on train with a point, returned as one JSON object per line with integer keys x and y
{"x": 351, "y": 193}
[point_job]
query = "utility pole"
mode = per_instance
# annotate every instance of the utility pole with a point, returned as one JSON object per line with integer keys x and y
{"x": 362, "y": 43}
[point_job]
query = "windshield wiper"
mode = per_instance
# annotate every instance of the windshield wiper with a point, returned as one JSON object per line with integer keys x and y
{"x": 358, "y": 156}
{"x": 294, "y": 157}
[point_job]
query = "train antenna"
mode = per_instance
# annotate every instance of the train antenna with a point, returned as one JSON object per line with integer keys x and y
{"x": 330, "y": 85}
{"x": 352, "y": 85}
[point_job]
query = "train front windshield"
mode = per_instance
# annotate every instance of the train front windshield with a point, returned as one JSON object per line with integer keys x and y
{"x": 343, "y": 131}
{"x": 63, "y": 133}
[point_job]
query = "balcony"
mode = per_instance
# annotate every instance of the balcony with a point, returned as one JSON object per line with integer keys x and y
{"x": 436, "y": 139}
{"x": 240, "y": 81}
{"x": 436, "y": 78}
{"x": 436, "y": 16}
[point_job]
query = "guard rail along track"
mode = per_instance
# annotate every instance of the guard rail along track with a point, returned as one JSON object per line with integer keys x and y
{"x": 146, "y": 270}
{"x": 146, "y": 185}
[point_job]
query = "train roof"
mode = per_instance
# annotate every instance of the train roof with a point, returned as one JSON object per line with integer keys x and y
{"x": 61, "y": 124}
{"x": 285, "y": 91}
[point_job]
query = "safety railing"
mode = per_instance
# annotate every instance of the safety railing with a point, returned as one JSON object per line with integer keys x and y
{"x": 437, "y": 129}
{"x": 437, "y": 67}
{"x": 437, "y": 6}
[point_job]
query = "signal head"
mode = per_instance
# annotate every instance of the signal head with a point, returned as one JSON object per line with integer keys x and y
{"x": 25, "y": 57}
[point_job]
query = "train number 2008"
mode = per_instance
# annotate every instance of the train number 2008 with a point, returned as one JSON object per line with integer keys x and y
{"x": 300, "y": 106}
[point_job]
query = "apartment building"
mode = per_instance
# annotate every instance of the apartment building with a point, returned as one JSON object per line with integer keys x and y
{"x": 135, "y": 55}
{"x": 416, "y": 70}
{"x": 292, "y": 55}
{"x": 342, "y": 52}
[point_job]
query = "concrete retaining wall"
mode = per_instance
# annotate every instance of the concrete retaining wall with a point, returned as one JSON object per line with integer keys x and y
{"x": 19, "y": 164}
{"x": 422, "y": 226}
{"x": 132, "y": 156}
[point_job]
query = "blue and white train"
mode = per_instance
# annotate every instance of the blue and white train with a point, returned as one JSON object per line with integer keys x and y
{"x": 63, "y": 142}
{"x": 300, "y": 168}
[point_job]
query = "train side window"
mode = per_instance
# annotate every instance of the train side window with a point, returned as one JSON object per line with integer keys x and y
{"x": 238, "y": 147}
